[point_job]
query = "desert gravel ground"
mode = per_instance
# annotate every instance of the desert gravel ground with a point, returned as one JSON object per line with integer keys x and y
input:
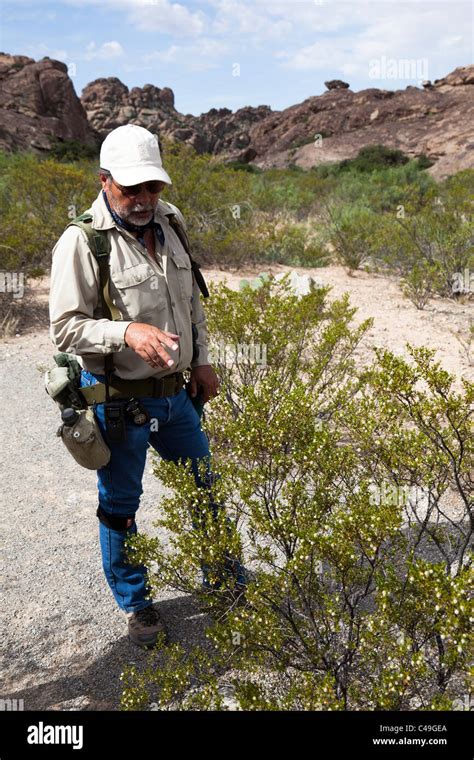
{"x": 64, "y": 641}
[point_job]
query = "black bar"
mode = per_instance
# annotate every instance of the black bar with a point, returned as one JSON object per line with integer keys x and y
{"x": 311, "y": 734}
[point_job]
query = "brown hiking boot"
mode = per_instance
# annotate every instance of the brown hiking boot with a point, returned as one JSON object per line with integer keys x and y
{"x": 145, "y": 626}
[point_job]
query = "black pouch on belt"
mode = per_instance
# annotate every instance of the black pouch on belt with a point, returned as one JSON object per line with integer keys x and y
{"x": 115, "y": 426}
{"x": 137, "y": 412}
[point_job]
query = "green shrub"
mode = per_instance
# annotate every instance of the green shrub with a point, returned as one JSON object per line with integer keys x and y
{"x": 353, "y": 234}
{"x": 373, "y": 157}
{"x": 423, "y": 162}
{"x": 216, "y": 203}
{"x": 291, "y": 244}
{"x": 419, "y": 284}
{"x": 240, "y": 166}
{"x": 436, "y": 236}
{"x": 333, "y": 480}
{"x": 37, "y": 201}
{"x": 73, "y": 150}
{"x": 202, "y": 187}
{"x": 278, "y": 191}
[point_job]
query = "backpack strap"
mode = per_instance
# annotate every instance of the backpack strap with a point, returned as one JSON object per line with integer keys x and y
{"x": 100, "y": 248}
{"x": 99, "y": 245}
{"x": 181, "y": 233}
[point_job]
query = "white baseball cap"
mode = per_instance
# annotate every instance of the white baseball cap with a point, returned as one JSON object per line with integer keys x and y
{"x": 132, "y": 155}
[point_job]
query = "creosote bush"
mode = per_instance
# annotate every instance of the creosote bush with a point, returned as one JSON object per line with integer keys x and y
{"x": 347, "y": 490}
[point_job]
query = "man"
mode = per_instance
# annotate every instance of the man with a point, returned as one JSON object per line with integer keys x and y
{"x": 152, "y": 286}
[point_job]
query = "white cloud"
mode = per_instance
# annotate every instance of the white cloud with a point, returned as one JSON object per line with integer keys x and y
{"x": 349, "y": 68}
{"x": 451, "y": 41}
{"x": 346, "y": 33}
{"x": 237, "y": 18}
{"x": 319, "y": 56}
{"x": 279, "y": 19}
{"x": 204, "y": 54}
{"x": 42, "y": 50}
{"x": 169, "y": 55}
{"x": 411, "y": 29}
{"x": 106, "y": 51}
{"x": 155, "y": 15}
{"x": 339, "y": 37}
{"x": 165, "y": 17}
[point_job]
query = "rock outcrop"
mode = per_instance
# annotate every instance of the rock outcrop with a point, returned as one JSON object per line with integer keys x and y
{"x": 38, "y": 105}
{"x": 109, "y": 103}
{"x": 435, "y": 120}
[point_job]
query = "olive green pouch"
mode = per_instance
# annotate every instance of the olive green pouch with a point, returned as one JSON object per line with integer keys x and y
{"x": 84, "y": 441}
{"x": 62, "y": 382}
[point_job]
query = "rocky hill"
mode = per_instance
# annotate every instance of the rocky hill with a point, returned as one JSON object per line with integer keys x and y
{"x": 38, "y": 104}
{"x": 109, "y": 103}
{"x": 436, "y": 120}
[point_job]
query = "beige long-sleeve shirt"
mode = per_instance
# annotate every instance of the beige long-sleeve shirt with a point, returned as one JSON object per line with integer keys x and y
{"x": 163, "y": 294}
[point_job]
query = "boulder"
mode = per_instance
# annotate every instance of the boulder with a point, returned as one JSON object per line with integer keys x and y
{"x": 336, "y": 84}
{"x": 38, "y": 105}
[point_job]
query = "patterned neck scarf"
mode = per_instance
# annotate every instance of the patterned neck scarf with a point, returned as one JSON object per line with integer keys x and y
{"x": 141, "y": 229}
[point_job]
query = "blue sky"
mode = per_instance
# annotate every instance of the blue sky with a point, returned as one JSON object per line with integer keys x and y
{"x": 232, "y": 53}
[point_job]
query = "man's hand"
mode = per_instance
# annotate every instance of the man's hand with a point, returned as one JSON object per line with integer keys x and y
{"x": 148, "y": 341}
{"x": 205, "y": 377}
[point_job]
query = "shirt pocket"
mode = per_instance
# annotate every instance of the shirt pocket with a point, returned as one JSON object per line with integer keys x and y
{"x": 137, "y": 290}
{"x": 183, "y": 274}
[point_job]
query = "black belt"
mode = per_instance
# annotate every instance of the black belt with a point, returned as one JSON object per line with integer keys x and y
{"x": 157, "y": 387}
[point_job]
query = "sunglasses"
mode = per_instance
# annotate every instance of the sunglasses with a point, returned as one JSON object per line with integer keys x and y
{"x": 153, "y": 186}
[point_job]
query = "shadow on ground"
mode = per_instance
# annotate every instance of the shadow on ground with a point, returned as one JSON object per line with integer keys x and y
{"x": 98, "y": 687}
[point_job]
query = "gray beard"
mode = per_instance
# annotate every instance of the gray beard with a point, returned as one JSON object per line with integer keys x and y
{"x": 130, "y": 216}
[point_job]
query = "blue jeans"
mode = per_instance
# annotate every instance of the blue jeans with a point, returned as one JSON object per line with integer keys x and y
{"x": 178, "y": 437}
